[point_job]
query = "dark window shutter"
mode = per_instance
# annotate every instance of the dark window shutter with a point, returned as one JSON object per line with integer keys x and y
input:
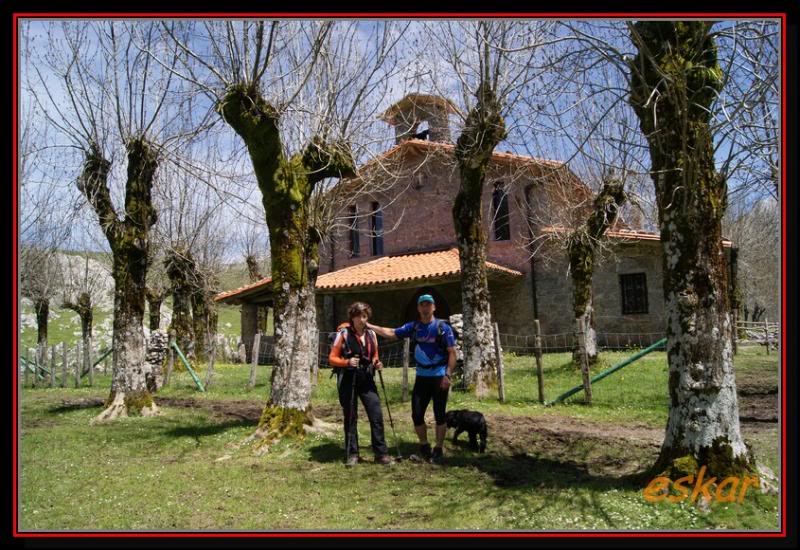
{"x": 633, "y": 289}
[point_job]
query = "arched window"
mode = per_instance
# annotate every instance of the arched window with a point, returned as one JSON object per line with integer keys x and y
{"x": 502, "y": 228}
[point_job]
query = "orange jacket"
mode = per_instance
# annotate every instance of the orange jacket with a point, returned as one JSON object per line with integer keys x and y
{"x": 335, "y": 357}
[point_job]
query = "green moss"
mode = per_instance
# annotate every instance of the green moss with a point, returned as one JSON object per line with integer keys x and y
{"x": 281, "y": 422}
{"x": 135, "y": 401}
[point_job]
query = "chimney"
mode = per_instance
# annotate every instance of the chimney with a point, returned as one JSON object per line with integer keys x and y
{"x": 407, "y": 114}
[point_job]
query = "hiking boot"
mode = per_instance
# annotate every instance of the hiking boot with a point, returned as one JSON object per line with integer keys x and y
{"x": 437, "y": 457}
{"x": 423, "y": 455}
{"x": 352, "y": 460}
{"x": 384, "y": 459}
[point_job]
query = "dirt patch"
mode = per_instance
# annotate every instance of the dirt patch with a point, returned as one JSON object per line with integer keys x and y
{"x": 598, "y": 448}
{"x": 758, "y": 397}
{"x": 242, "y": 410}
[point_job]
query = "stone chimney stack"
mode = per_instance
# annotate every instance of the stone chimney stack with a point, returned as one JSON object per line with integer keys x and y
{"x": 407, "y": 114}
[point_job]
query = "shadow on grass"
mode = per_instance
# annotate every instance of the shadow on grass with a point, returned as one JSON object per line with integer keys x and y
{"x": 76, "y": 406}
{"x": 334, "y": 452}
{"x": 523, "y": 471}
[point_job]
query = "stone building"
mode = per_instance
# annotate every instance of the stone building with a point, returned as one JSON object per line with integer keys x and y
{"x": 400, "y": 242}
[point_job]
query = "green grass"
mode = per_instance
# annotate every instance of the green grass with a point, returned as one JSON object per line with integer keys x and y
{"x": 163, "y": 473}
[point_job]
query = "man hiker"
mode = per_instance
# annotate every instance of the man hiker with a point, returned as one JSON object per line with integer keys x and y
{"x": 354, "y": 356}
{"x": 435, "y": 357}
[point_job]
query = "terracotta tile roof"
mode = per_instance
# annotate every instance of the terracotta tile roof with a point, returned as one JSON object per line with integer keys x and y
{"x": 243, "y": 289}
{"x": 423, "y": 266}
{"x": 630, "y": 234}
{"x": 405, "y": 268}
{"x": 438, "y": 145}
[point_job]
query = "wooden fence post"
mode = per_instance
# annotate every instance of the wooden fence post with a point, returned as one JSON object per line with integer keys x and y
{"x": 78, "y": 358}
{"x": 537, "y": 350}
{"x": 90, "y": 360}
{"x": 64, "y": 362}
{"x": 53, "y": 367}
{"x": 211, "y": 352}
{"x": 766, "y": 333}
{"x": 25, "y": 370}
{"x": 735, "y": 317}
{"x": 254, "y": 357}
{"x": 171, "y": 360}
{"x": 580, "y": 323}
{"x": 37, "y": 362}
{"x": 501, "y": 386}
{"x": 406, "y": 348}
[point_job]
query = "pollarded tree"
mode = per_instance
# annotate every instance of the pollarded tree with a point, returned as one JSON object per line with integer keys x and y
{"x": 105, "y": 96}
{"x": 490, "y": 61}
{"x": 284, "y": 85}
{"x": 675, "y": 78}
{"x": 582, "y": 247}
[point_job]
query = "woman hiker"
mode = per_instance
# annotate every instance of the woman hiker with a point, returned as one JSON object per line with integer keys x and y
{"x": 354, "y": 355}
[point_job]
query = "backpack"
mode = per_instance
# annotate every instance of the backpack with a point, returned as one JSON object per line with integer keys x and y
{"x": 342, "y": 329}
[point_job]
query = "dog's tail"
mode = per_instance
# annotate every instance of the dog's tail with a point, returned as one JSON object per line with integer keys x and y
{"x": 483, "y": 435}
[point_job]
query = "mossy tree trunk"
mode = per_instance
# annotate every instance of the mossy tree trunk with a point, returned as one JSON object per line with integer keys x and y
{"x": 484, "y": 129}
{"x": 286, "y": 184}
{"x": 675, "y": 78}
{"x": 204, "y": 320}
{"x": 179, "y": 266}
{"x": 154, "y": 301}
{"x": 581, "y": 249}
{"x": 129, "y": 241}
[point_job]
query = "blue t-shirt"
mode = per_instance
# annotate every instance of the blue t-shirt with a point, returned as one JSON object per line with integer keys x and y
{"x": 427, "y": 351}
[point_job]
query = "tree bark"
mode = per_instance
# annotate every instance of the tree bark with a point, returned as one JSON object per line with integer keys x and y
{"x": 286, "y": 184}
{"x": 180, "y": 269}
{"x": 154, "y": 301}
{"x": 83, "y": 307}
{"x": 581, "y": 249}
{"x": 42, "y": 308}
{"x": 129, "y": 241}
{"x": 484, "y": 129}
{"x": 200, "y": 323}
{"x": 252, "y": 268}
{"x": 675, "y": 79}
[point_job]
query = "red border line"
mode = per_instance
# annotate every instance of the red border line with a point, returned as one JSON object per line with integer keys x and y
{"x": 385, "y": 15}
{"x": 15, "y": 361}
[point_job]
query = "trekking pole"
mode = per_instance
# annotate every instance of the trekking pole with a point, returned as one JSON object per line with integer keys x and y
{"x": 388, "y": 410}
{"x": 350, "y": 433}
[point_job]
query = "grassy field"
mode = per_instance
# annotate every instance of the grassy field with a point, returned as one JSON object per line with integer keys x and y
{"x": 565, "y": 467}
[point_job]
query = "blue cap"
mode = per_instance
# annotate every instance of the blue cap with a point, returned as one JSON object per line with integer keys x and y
{"x": 426, "y": 298}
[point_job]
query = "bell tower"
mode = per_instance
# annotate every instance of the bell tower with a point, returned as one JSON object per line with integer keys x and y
{"x": 416, "y": 109}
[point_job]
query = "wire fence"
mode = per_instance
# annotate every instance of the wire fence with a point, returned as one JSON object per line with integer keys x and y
{"x": 391, "y": 352}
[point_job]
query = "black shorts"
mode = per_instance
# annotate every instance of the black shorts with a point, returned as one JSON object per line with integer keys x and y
{"x": 425, "y": 388}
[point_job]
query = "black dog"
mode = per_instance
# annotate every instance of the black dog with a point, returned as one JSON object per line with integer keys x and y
{"x": 471, "y": 422}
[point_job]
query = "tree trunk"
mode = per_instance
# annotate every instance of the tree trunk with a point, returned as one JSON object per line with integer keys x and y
{"x": 42, "y": 308}
{"x": 154, "y": 301}
{"x": 252, "y": 268}
{"x": 675, "y": 79}
{"x": 179, "y": 266}
{"x": 581, "y": 249}
{"x": 484, "y": 129}
{"x": 286, "y": 185}
{"x": 199, "y": 323}
{"x": 129, "y": 241}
